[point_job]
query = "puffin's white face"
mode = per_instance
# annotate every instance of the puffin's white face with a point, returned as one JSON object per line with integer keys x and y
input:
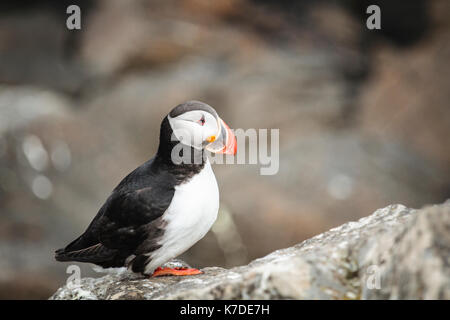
{"x": 197, "y": 125}
{"x": 195, "y": 128}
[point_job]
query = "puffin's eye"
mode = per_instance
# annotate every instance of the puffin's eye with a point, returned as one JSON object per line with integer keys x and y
{"x": 201, "y": 121}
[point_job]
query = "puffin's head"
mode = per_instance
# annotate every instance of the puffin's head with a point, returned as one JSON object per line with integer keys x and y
{"x": 198, "y": 125}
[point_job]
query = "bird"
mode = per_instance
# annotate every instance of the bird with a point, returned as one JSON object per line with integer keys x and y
{"x": 166, "y": 205}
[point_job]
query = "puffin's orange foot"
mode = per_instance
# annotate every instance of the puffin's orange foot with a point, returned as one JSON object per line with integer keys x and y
{"x": 175, "y": 272}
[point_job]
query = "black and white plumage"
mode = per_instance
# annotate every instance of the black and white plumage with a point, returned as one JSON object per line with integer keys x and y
{"x": 161, "y": 208}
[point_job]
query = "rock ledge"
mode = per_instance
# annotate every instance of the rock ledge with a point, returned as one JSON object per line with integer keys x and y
{"x": 395, "y": 253}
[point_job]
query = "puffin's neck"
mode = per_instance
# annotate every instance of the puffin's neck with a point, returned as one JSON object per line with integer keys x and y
{"x": 164, "y": 154}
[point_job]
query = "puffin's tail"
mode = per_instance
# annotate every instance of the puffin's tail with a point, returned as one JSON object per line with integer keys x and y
{"x": 94, "y": 254}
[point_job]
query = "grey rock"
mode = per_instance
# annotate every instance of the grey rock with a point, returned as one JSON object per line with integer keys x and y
{"x": 395, "y": 253}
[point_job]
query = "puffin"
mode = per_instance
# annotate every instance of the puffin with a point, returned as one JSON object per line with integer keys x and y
{"x": 163, "y": 207}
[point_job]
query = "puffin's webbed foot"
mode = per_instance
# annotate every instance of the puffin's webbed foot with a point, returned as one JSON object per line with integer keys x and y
{"x": 179, "y": 271}
{"x": 175, "y": 267}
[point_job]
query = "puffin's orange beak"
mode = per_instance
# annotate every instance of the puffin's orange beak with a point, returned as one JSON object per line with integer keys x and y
{"x": 225, "y": 142}
{"x": 230, "y": 142}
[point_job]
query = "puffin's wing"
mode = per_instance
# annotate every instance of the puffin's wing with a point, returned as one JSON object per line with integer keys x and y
{"x": 128, "y": 220}
{"x": 132, "y": 217}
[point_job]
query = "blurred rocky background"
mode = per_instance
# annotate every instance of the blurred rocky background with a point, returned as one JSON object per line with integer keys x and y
{"x": 363, "y": 115}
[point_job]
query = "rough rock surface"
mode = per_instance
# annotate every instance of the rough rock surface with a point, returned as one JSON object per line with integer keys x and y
{"x": 395, "y": 253}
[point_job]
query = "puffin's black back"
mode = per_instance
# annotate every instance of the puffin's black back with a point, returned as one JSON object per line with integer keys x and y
{"x": 130, "y": 221}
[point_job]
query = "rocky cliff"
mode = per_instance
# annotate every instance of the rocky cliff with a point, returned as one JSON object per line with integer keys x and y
{"x": 395, "y": 253}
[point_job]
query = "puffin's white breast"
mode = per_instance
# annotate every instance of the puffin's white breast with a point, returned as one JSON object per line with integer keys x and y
{"x": 189, "y": 217}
